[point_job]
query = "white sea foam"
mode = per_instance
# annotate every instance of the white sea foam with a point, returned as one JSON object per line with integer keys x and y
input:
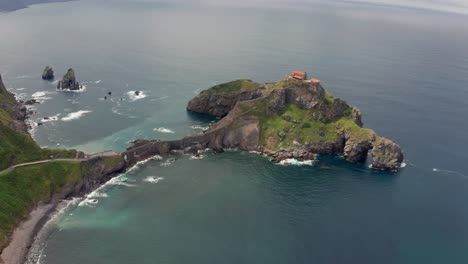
{"x": 21, "y": 96}
{"x": 163, "y": 130}
{"x": 198, "y": 127}
{"x": 82, "y": 89}
{"x": 153, "y": 179}
{"x": 403, "y": 164}
{"x": 20, "y": 89}
{"x": 51, "y": 118}
{"x": 41, "y": 96}
{"x": 75, "y": 115}
{"x": 140, "y": 163}
{"x": 296, "y": 162}
{"x": 197, "y": 157}
{"x": 98, "y": 81}
{"x": 92, "y": 198}
{"x": 133, "y": 97}
{"x": 55, "y": 82}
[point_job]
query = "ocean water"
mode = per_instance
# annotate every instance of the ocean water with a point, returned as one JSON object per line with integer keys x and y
{"x": 406, "y": 69}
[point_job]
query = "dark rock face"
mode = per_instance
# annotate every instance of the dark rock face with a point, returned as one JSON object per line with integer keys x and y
{"x": 219, "y": 105}
{"x": 31, "y": 102}
{"x": 69, "y": 81}
{"x": 356, "y": 149}
{"x": 48, "y": 74}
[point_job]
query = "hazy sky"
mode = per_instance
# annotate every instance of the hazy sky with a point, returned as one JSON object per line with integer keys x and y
{"x": 455, "y": 6}
{"x": 458, "y": 6}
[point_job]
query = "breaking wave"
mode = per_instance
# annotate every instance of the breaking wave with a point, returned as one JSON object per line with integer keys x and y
{"x": 153, "y": 179}
{"x": 98, "y": 81}
{"x": 197, "y": 157}
{"x": 140, "y": 163}
{"x": 41, "y": 96}
{"x": 296, "y": 162}
{"x": 75, "y": 115}
{"x": 50, "y": 118}
{"x": 92, "y": 198}
{"x": 133, "y": 96}
{"x": 198, "y": 127}
{"x": 163, "y": 130}
{"x": 82, "y": 89}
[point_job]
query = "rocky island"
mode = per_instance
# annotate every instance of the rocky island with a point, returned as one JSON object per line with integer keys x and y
{"x": 48, "y": 74}
{"x": 287, "y": 119}
{"x": 69, "y": 82}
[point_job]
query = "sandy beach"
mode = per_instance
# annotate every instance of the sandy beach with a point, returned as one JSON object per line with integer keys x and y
{"x": 24, "y": 235}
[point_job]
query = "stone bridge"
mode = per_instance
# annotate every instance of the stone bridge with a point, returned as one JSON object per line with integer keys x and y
{"x": 143, "y": 149}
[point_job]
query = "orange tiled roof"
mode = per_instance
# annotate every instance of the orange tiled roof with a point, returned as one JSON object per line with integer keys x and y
{"x": 299, "y": 75}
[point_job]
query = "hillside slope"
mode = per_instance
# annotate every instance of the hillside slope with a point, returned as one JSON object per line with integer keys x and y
{"x": 16, "y": 144}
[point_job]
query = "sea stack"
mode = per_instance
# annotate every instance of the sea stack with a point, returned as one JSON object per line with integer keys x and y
{"x": 69, "y": 81}
{"x": 48, "y": 74}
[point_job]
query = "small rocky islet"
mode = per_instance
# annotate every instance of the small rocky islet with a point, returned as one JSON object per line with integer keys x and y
{"x": 69, "y": 82}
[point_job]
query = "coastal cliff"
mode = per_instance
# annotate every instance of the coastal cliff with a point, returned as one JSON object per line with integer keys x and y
{"x": 16, "y": 144}
{"x": 33, "y": 180}
{"x": 292, "y": 119}
{"x": 285, "y": 119}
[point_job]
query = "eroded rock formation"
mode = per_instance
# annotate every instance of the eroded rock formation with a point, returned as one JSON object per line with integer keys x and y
{"x": 69, "y": 81}
{"x": 48, "y": 74}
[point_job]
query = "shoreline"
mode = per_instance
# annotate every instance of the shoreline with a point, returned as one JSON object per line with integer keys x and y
{"x": 22, "y": 246}
{"x": 25, "y": 233}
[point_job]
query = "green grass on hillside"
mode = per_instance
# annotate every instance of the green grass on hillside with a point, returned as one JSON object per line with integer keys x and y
{"x": 307, "y": 131}
{"x": 22, "y": 188}
{"x": 231, "y": 87}
{"x": 17, "y": 147}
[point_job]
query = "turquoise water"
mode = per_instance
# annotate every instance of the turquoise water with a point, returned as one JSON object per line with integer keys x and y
{"x": 405, "y": 69}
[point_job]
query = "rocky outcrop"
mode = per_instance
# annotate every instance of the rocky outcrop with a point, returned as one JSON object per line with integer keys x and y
{"x": 69, "y": 81}
{"x": 48, "y": 74}
{"x": 220, "y": 103}
{"x": 356, "y": 115}
{"x": 386, "y": 154}
{"x": 15, "y": 110}
{"x": 357, "y": 148}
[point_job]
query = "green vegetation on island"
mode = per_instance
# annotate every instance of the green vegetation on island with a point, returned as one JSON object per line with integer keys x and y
{"x": 290, "y": 118}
